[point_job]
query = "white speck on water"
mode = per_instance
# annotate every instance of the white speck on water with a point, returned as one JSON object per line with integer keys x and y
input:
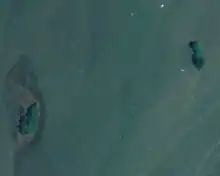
{"x": 121, "y": 137}
{"x": 132, "y": 14}
{"x": 182, "y": 70}
{"x": 162, "y": 5}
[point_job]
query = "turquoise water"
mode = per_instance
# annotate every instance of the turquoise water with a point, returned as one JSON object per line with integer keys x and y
{"x": 198, "y": 51}
{"x": 30, "y": 124}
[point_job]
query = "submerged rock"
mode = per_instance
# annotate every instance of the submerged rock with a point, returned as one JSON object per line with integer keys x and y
{"x": 197, "y": 56}
{"x": 24, "y": 103}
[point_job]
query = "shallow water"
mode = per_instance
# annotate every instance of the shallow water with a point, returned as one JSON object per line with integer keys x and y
{"x": 110, "y": 73}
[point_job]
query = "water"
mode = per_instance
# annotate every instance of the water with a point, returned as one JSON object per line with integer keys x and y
{"x": 104, "y": 74}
